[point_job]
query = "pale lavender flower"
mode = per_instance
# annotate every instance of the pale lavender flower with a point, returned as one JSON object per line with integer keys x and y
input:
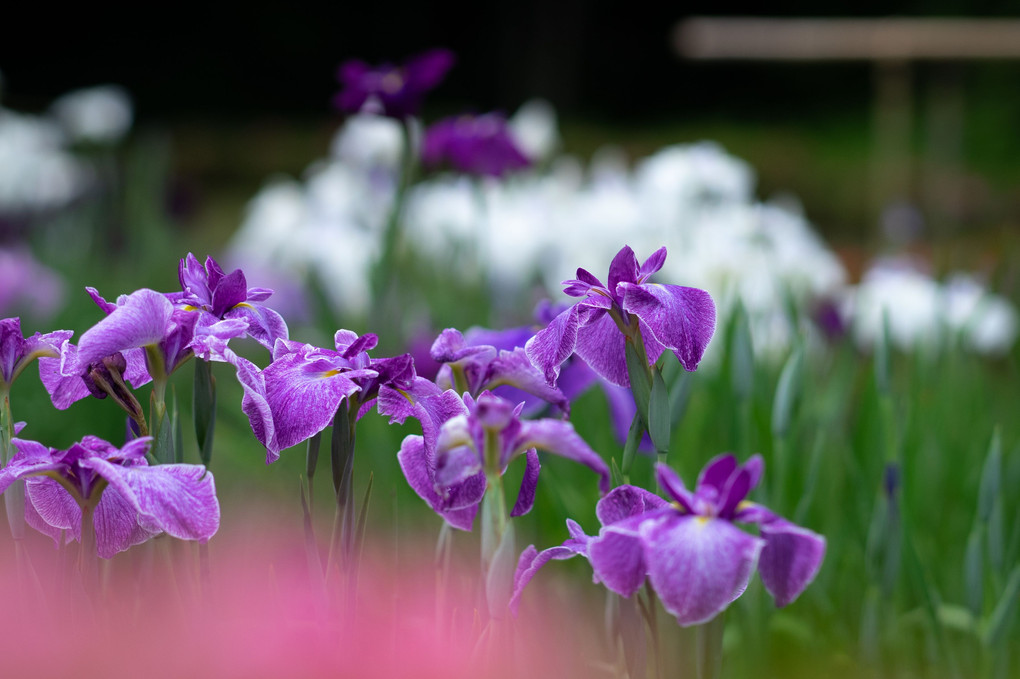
{"x": 696, "y": 559}
{"x": 129, "y": 501}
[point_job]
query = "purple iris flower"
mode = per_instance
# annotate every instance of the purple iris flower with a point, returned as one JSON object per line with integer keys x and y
{"x": 629, "y": 309}
{"x": 446, "y": 465}
{"x": 696, "y": 559}
{"x": 478, "y": 145}
{"x": 298, "y": 394}
{"x": 17, "y": 351}
{"x": 221, "y": 296}
{"x": 143, "y": 336}
{"x": 476, "y": 367}
{"x": 392, "y": 91}
{"x": 129, "y": 501}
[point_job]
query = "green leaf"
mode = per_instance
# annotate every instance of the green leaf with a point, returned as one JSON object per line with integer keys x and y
{"x": 973, "y": 567}
{"x": 1002, "y": 616}
{"x": 990, "y": 485}
{"x": 659, "y": 420}
{"x": 204, "y": 409}
{"x": 883, "y": 379}
{"x": 640, "y": 381}
{"x": 741, "y": 355}
{"x": 787, "y": 392}
{"x": 637, "y": 430}
{"x": 499, "y": 579}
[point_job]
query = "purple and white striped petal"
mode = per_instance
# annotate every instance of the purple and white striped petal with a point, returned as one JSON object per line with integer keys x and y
{"x": 177, "y": 499}
{"x": 680, "y": 318}
{"x": 143, "y": 319}
{"x": 603, "y": 347}
{"x": 554, "y": 344}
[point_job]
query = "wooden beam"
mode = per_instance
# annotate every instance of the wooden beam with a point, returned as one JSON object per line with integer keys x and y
{"x": 847, "y": 39}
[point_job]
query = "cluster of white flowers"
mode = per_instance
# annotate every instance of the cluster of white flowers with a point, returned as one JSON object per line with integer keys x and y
{"x": 542, "y": 224}
{"x": 39, "y": 171}
{"x": 924, "y": 314}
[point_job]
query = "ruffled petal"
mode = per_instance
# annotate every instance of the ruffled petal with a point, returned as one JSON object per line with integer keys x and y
{"x": 682, "y": 319}
{"x": 117, "y": 526}
{"x": 142, "y": 319}
{"x": 698, "y": 565}
{"x": 178, "y": 499}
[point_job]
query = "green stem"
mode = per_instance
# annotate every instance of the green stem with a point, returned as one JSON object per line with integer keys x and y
{"x": 710, "y": 648}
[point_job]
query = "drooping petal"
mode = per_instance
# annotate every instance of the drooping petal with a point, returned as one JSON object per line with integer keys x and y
{"x": 31, "y": 459}
{"x": 454, "y": 465}
{"x": 698, "y": 565}
{"x": 142, "y": 319}
{"x": 54, "y": 507}
{"x": 526, "y": 496}
{"x": 682, "y": 319}
{"x": 460, "y": 507}
{"x": 304, "y": 396}
{"x": 117, "y": 526}
{"x": 531, "y": 560}
{"x": 626, "y": 501}
{"x": 514, "y": 368}
{"x": 265, "y": 325}
{"x": 399, "y": 404}
{"x": 555, "y": 343}
{"x": 61, "y": 379}
{"x": 559, "y": 438}
{"x": 178, "y": 499}
{"x": 790, "y": 560}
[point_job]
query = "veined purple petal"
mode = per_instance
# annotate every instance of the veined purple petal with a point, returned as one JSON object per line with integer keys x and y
{"x": 116, "y": 523}
{"x": 715, "y": 474}
{"x": 143, "y": 319}
{"x": 304, "y": 399}
{"x": 526, "y": 496}
{"x": 255, "y": 405}
{"x": 62, "y": 378}
{"x": 736, "y": 490}
{"x": 107, "y": 307}
{"x": 603, "y": 347}
{"x": 31, "y": 459}
{"x": 559, "y": 438}
{"x": 698, "y": 565}
{"x": 177, "y": 499}
{"x": 461, "y": 505}
{"x": 623, "y": 269}
{"x": 554, "y": 344}
{"x": 626, "y": 501}
{"x": 399, "y": 404}
{"x": 790, "y": 560}
{"x": 231, "y": 290}
{"x": 52, "y": 509}
{"x": 682, "y": 319}
{"x": 450, "y": 347}
{"x": 265, "y": 325}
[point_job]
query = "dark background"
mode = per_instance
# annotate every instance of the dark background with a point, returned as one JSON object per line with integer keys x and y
{"x": 610, "y": 61}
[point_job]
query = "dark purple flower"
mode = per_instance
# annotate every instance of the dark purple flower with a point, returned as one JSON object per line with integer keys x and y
{"x": 130, "y": 501}
{"x": 478, "y": 145}
{"x": 298, "y": 394}
{"x": 219, "y": 296}
{"x": 696, "y": 559}
{"x": 446, "y": 465}
{"x": 393, "y": 91}
{"x": 628, "y": 309}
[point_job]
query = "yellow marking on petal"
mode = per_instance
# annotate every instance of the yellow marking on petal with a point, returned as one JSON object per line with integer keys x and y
{"x": 676, "y": 505}
{"x": 702, "y": 519}
{"x": 331, "y": 373}
{"x": 243, "y": 304}
{"x": 744, "y": 504}
{"x": 188, "y": 307}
